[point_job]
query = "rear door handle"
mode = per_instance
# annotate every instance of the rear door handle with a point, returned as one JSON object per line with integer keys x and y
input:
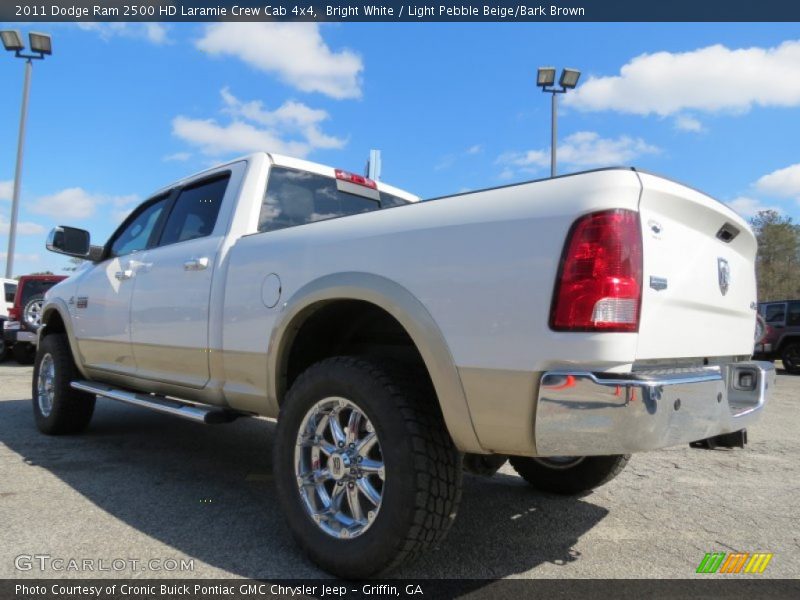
{"x": 196, "y": 264}
{"x": 123, "y": 275}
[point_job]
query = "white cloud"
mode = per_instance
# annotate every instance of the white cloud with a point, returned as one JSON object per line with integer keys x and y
{"x": 76, "y": 203}
{"x": 583, "y": 149}
{"x": 782, "y": 183}
{"x": 177, "y": 156}
{"x": 448, "y": 160}
{"x": 237, "y": 137}
{"x": 711, "y": 79}
{"x": 23, "y": 227}
{"x": 6, "y": 189}
{"x": 293, "y": 128}
{"x": 155, "y": 33}
{"x": 289, "y": 117}
{"x": 21, "y": 257}
{"x": 748, "y": 207}
{"x": 687, "y": 123}
{"x": 295, "y": 52}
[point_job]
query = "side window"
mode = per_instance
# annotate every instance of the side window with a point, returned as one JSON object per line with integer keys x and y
{"x": 299, "y": 197}
{"x": 775, "y": 313}
{"x": 195, "y": 211}
{"x": 11, "y": 291}
{"x": 134, "y": 237}
{"x": 793, "y": 314}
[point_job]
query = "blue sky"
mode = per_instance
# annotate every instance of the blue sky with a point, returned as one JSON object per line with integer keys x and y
{"x": 120, "y": 110}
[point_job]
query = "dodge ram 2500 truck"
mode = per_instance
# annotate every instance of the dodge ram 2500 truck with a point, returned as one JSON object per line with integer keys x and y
{"x": 563, "y": 324}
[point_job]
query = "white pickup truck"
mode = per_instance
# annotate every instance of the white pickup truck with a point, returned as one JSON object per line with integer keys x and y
{"x": 563, "y": 324}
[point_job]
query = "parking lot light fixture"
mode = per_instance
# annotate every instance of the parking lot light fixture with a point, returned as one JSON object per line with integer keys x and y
{"x": 546, "y": 79}
{"x": 546, "y": 76}
{"x": 569, "y": 78}
{"x": 41, "y": 45}
{"x": 12, "y": 41}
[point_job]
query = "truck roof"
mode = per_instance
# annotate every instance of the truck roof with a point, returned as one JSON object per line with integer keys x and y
{"x": 303, "y": 165}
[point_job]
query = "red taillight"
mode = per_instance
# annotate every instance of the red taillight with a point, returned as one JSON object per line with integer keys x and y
{"x": 357, "y": 179}
{"x": 599, "y": 285}
{"x": 13, "y": 314}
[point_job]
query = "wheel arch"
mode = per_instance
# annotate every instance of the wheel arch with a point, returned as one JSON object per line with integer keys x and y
{"x": 55, "y": 319}
{"x": 403, "y": 307}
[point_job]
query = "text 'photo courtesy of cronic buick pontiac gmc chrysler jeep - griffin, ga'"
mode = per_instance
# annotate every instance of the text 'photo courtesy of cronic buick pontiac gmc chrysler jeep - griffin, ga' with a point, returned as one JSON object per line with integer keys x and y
{"x": 561, "y": 324}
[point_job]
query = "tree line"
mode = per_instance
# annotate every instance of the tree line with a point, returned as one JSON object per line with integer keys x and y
{"x": 778, "y": 260}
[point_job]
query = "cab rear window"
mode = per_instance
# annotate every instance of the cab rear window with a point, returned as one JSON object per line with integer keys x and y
{"x": 299, "y": 197}
{"x": 34, "y": 287}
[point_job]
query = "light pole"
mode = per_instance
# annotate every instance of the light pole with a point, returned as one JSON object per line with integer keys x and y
{"x": 546, "y": 79}
{"x": 41, "y": 45}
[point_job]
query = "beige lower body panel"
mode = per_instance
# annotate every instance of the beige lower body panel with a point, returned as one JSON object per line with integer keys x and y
{"x": 503, "y": 408}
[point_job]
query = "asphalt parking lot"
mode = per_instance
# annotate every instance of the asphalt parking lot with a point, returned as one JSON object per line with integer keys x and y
{"x": 141, "y": 486}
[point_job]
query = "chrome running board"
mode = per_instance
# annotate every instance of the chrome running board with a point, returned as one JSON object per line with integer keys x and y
{"x": 162, "y": 404}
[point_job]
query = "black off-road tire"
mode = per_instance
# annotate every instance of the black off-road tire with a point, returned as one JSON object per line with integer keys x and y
{"x": 422, "y": 487}
{"x": 4, "y": 349}
{"x": 586, "y": 474}
{"x": 790, "y": 356}
{"x": 71, "y": 410}
{"x": 24, "y": 353}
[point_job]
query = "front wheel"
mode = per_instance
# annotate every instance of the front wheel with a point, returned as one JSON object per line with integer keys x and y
{"x": 366, "y": 472}
{"x": 57, "y": 407}
{"x": 569, "y": 475}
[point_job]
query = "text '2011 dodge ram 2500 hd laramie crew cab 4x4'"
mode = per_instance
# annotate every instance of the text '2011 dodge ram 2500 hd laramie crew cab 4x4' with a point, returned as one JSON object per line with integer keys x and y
{"x": 564, "y": 323}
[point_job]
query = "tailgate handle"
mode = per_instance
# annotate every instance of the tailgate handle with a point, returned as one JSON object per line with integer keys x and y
{"x": 727, "y": 232}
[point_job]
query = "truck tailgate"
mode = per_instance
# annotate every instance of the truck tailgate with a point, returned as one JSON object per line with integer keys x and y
{"x": 699, "y": 289}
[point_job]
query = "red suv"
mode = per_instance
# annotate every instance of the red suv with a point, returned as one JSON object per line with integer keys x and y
{"x": 25, "y": 317}
{"x": 781, "y": 339}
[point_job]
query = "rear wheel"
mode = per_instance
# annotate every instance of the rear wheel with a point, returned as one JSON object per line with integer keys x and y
{"x": 790, "y": 356}
{"x": 57, "y": 407}
{"x": 3, "y": 347}
{"x": 365, "y": 470}
{"x": 569, "y": 475}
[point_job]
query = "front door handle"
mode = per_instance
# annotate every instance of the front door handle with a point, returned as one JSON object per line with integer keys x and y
{"x": 196, "y": 264}
{"x": 123, "y": 275}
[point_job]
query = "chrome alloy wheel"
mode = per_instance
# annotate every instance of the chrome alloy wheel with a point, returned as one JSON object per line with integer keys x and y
{"x": 45, "y": 385}
{"x": 339, "y": 468}
{"x": 33, "y": 313}
{"x": 559, "y": 462}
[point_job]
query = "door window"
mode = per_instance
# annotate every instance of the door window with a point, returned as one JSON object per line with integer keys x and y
{"x": 195, "y": 212}
{"x": 10, "y": 290}
{"x": 775, "y": 314}
{"x": 135, "y": 236}
{"x": 793, "y": 314}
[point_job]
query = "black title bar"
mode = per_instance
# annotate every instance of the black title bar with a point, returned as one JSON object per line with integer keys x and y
{"x": 395, "y": 10}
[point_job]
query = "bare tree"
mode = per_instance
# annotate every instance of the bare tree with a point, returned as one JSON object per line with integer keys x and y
{"x": 778, "y": 261}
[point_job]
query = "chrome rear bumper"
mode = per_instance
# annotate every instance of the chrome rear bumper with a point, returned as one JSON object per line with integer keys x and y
{"x": 580, "y": 413}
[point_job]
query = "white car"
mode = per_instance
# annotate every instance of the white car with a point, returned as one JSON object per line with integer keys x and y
{"x": 9, "y": 288}
{"x": 564, "y": 323}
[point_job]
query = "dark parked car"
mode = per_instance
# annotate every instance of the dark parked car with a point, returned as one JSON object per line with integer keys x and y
{"x": 25, "y": 317}
{"x": 781, "y": 340}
